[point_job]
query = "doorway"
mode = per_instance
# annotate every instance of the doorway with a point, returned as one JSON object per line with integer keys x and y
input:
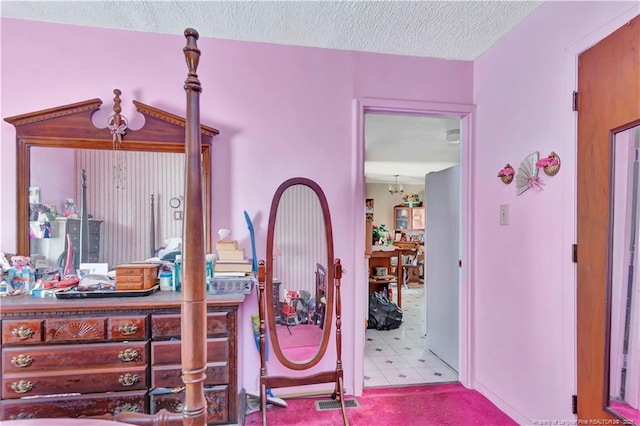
{"x": 404, "y": 155}
{"x": 464, "y": 114}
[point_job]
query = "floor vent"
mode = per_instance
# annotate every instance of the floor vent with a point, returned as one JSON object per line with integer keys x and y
{"x": 332, "y": 404}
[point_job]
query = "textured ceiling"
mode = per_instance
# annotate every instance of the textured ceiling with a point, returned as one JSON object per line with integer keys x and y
{"x": 395, "y": 145}
{"x": 444, "y": 29}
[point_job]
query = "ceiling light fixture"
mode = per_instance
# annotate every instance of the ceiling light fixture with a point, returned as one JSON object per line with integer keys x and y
{"x": 396, "y": 189}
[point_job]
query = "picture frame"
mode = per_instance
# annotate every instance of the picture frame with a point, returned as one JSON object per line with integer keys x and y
{"x": 368, "y": 209}
{"x": 34, "y": 195}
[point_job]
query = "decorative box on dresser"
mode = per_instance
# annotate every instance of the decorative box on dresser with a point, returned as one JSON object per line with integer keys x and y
{"x": 89, "y": 357}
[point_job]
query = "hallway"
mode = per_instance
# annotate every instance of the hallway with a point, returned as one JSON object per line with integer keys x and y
{"x": 398, "y": 357}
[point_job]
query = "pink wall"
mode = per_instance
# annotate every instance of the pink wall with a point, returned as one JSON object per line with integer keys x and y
{"x": 282, "y": 111}
{"x": 525, "y": 281}
{"x": 56, "y": 180}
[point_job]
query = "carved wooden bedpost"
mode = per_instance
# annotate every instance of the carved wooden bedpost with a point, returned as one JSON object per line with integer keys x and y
{"x": 194, "y": 306}
{"x": 84, "y": 223}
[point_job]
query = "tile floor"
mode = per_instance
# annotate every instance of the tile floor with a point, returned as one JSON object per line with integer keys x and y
{"x": 399, "y": 357}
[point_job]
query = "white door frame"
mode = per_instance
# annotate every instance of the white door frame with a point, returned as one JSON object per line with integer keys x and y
{"x": 466, "y": 113}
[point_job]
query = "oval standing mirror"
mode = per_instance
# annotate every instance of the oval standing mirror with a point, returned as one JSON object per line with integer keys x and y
{"x": 623, "y": 398}
{"x": 300, "y": 258}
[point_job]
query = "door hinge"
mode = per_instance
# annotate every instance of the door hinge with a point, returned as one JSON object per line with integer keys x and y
{"x": 574, "y": 404}
{"x": 574, "y": 253}
{"x": 574, "y": 103}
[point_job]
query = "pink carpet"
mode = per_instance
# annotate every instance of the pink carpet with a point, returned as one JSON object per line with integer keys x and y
{"x": 625, "y": 410}
{"x": 443, "y": 404}
{"x": 301, "y": 335}
{"x": 302, "y": 343}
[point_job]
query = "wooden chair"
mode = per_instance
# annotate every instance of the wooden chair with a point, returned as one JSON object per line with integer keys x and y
{"x": 288, "y": 312}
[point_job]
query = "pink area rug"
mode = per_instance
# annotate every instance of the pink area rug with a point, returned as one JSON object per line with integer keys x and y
{"x": 442, "y": 404}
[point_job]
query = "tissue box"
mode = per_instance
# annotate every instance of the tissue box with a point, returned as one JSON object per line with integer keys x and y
{"x": 21, "y": 279}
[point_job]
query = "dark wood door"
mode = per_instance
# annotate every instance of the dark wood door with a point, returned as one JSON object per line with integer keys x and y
{"x": 609, "y": 97}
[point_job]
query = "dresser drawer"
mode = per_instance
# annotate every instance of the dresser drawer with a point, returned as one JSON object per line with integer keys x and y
{"x": 21, "y": 332}
{"x": 30, "y": 358}
{"x": 168, "y": 352}
{"x": 129, "y": 327}
{"x": 130, "y": 283}
{"x": 18, "y": 385}
{"x": 74, "y": 329}
{"x": 94, "y": 328}
{"x": 165, "y": 326}
{"x": 73, "y": 227}
{"x": 74, "y": 405}
{"x": 94, "y": 244}
{"x": 217, "y": 398}
{"x": 170, "y": 376}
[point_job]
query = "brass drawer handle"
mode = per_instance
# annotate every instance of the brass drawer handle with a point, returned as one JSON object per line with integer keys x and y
{"x": 23, "y": 386}
{"x": 21, "y": 361}
{"x": 131, "y": 408}
{"x": 128, "y": 355}
{"x": 128, "y": 329}
{"x": 22, "y": 332}
{"x": 128, "y": 379}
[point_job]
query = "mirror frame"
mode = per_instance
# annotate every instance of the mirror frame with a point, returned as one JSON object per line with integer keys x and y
{"x": 70, "y": 126}
{"x": 330, "y": 277}
{"x": 606, "y": 404}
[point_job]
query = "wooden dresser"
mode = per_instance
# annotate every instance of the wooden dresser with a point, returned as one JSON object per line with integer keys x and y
{"x": 68, "y": 358}
{"x": 73, "y": 229}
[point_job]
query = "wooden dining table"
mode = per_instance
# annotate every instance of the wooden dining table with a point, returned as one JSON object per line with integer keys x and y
{"x": 382, "y": 258}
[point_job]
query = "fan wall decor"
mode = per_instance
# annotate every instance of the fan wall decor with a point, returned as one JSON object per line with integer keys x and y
{"x": 527, "y": 176}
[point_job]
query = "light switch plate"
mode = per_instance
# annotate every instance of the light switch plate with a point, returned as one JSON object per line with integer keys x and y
{"x": 504, "y": 214}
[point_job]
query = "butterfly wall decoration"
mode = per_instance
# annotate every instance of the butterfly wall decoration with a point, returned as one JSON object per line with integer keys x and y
{"x": 527, "y": 176}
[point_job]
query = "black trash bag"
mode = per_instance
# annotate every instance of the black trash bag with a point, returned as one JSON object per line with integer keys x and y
{"x": 383, "y": 313}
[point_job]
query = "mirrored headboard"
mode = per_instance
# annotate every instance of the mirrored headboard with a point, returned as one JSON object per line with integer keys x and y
{"x": 67, "y": 132}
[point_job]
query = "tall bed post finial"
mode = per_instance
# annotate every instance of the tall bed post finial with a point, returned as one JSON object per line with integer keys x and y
{"x": 192, "y": 55}
{"x": 194, "y": 295}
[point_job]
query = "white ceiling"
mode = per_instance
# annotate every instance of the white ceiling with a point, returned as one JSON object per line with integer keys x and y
{"x": 406, "y": 146}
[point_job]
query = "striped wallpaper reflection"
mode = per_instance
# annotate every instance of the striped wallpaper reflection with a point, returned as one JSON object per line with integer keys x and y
{"x": 300, "y": 241}
{"x": 126, "y": 211}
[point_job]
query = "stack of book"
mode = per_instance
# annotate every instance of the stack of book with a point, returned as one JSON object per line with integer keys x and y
{"x": 231, "y": 261}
